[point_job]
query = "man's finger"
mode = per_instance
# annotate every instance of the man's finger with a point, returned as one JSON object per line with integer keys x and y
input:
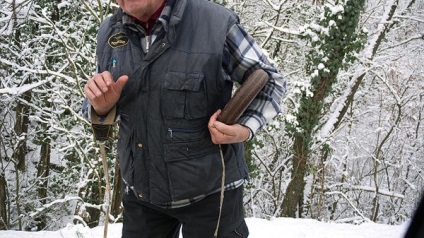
{"x": 100, "y": 83}
{"x": 93, "y": 87}
{"x": 90, "y": 95}
{"x": 120, "y": 83}
{"x": 107, "y": 78}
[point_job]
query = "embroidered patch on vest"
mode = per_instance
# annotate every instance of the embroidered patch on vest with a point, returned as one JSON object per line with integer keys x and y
{"x": 118, "y": 40}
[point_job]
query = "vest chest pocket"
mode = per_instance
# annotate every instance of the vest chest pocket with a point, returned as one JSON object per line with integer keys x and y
{"x": 184, "y": 96}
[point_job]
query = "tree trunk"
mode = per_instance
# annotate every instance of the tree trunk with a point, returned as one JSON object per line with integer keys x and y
{"x": 95, "y": 198}
{"x": 43, "y": 169}
{"x": 43, "y": 172}
{"x": 96, "y": 191}
{"x": 18, "y": 197}
{"x": 294, "y": 193}
{"x": 22, "y": 110}
{"x": 21, "y": 130}
{"x": 3, "y": 203}
{"x": 116, "y": 208}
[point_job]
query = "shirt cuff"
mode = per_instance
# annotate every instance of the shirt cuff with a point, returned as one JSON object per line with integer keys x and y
{"x": 250, "y": 122}
{"x": 250, "y": 135}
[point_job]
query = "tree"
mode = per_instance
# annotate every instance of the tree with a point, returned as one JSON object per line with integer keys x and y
{"x": 335, "y": 38}
{"x": 62, "y": 36}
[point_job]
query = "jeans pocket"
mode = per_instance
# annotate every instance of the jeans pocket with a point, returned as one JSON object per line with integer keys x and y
{"x": 241, "y": 232}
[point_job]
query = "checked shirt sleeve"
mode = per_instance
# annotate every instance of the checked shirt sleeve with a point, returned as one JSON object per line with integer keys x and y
{"x": 242, "y": 55}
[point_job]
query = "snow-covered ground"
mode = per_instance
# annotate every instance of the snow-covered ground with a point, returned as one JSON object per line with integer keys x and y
{"x": 259, "y": 228}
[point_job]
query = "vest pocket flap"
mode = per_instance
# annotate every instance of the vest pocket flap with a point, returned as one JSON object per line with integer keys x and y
{"x": 189, "y": 150}
{"x": 183, "y": 81}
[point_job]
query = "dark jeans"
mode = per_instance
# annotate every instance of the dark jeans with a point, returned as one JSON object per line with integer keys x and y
{"x": 199, "y": 220}
{"x": 416, "y": 226}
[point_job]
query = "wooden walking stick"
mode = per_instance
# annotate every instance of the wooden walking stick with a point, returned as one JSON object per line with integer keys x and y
{"x": 107, "y": 192}
{"x": 101, "y": 133}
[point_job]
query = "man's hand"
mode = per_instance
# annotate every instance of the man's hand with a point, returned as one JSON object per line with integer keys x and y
{"x": 226, "y": 134}
{"x": 103, "y": 93}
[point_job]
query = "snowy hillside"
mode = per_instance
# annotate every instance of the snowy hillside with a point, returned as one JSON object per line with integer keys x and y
{"x": 259, "y": 228}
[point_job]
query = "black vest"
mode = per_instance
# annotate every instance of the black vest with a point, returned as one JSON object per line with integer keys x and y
{"x": 165, "y": 150}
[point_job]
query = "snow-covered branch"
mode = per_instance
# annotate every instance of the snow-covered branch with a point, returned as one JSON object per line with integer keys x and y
{"x": 36, "y": 71}
{"x": 373, "y": 190}
{"x": 58, "y": 201}
{"x": 284, "y": 30}
{"x": 350, "y": 203}
{"x": 420, "y": 20}
{"x": 17, "y": 91}
{"x": 402, "y": 43}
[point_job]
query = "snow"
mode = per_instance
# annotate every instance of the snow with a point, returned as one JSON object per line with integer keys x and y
{"x": 335, "y": 9}
{"x": 259, "y": 228}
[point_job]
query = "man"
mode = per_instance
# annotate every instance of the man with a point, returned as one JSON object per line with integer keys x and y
{"x": 165, "y": 69}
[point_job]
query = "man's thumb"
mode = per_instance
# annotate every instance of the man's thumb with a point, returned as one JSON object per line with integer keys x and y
{"x": 120, "y": 83}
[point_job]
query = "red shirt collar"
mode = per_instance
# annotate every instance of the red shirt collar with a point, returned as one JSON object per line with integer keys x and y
{"x": 148, "y": 25}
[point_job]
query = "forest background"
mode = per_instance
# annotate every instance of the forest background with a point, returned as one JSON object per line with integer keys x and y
{"x": 348, "y": 146}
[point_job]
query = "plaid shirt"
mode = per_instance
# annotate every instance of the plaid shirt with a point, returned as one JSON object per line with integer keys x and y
{"x": 241, "y": 54}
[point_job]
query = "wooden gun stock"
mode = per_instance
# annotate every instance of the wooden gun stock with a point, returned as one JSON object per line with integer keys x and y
{"x": 243, "y": 97}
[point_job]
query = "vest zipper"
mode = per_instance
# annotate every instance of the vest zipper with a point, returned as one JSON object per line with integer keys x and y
{"x": 183, "y": 130}
{"x": 147, "y": 43}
